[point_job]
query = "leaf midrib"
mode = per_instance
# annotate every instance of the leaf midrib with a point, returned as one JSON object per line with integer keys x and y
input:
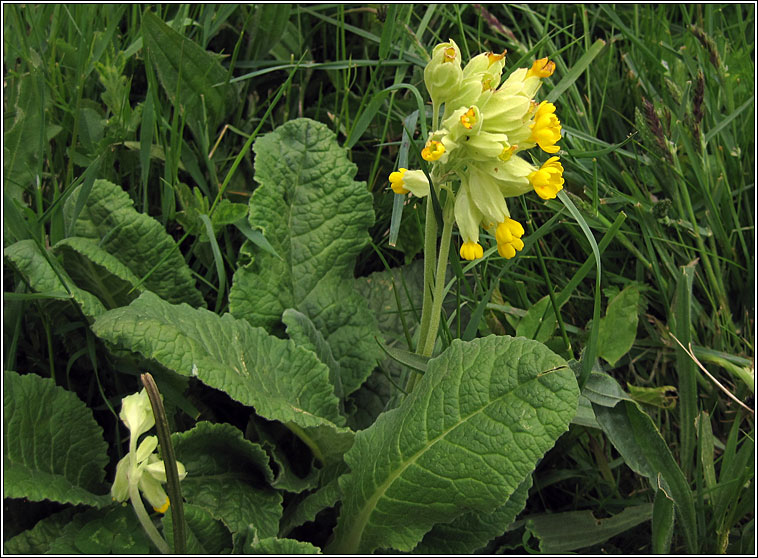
{"x": 365, "y": 513}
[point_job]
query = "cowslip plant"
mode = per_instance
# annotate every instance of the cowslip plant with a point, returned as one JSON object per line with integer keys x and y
{"x": 140, "y": 470}
{"x": 296, "y": 356}
{"x": 473, "y": 156}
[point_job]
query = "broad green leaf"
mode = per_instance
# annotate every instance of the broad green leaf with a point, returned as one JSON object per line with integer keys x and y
{"x": 137, "y": 240}
{"x": 471, "y": 431}
{"x": 472, "y": 531}
{"x": 40, "y": 275}
{"x": 273, "y": 545}
{"x": 635, "y": 436}
{"x": 192, "y": 78}
{"x": 302, "y": 331}
{"x": 602, "y": 389}
{"x": 205, "y": 535}
{"x": 98, "y": 272}
{"x": 38, "y": 539}
{"x": 326, "y": 496}
{"x": 248, "y": 542}
{"x": 316, "y": 218}
{"x": 24, "y": 134}
{"x": 283, "y": 382}
{"x": 618, "y": 328}
{"x": 52, "y": 447}
{"x": 539, "y": 322}
{"x": 229, "y": 477}
{"x": 115, "y": 530}
{"x": 560, "y": 533}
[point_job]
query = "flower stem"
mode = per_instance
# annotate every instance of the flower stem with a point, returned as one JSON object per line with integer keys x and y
{"x": 430, "y": 256}
{"x": 144, "y": 519}
{"x": 439, "y": 282}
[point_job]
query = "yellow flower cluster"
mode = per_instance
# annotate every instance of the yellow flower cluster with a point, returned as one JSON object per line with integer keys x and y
{"x": 484, "y": 124}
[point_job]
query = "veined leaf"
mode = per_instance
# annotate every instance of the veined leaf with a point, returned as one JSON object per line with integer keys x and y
{"x": 466, "y": 437}
{"x": 52, "y": 447}
{"x": 316, "y": 219}
{"x": 137, "y": 240}
{"x": 229, "y": 477}
{"x": 205, "y": 535}
{"x": 42, "y": 278}
{"x": 189, "y": 74}
{"x": 115, "y": 530}
{"x": 473, "y": 530}
{"x": 98, "y": 271}
{"x": 618, "y": 328}
{"x": 282, "y": 381}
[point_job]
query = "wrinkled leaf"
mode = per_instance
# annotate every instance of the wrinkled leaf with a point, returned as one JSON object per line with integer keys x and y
{"x": 190, "y": 75}
{"x": 52, "y": 447}
{"x": 462, "y": 441}
{"x": 38, "y": 272}
{"x": 282, "y": 381}
{"x": 229, "y": 477}
{"x": 316, "y": 217}
{"x": 473, "y": 530}
{"x": 205, "y": 535}
{"x": 137, "y": 240}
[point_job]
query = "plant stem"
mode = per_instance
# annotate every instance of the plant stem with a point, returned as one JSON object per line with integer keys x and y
{"x": 439, "y": 282}
{"x": 144, "y": 519}
{"x": 430, "y": 256}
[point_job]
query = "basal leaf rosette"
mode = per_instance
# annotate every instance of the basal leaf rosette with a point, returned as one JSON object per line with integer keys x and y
{"x": 473, "y": 152}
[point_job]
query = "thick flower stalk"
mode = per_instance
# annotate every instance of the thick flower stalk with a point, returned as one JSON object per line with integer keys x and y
{"x": 141, "y": 471}
{"x": 473, "y": 150}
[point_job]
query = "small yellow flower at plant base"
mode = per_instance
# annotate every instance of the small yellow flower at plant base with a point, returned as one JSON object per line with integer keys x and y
{"x": 471, "y": 251}
{"x": 403, "y": 181}
{"x": 396, "y": 181}
{"x": 548, "y": 179}
{"x": 433, "y": 150}
{"x": 508, "y": 235}
{"x": 541, "y": 68}
{"x": 546, "y": 130}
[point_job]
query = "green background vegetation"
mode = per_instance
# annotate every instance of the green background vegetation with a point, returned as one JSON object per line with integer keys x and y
{"x": 657, "y": 108}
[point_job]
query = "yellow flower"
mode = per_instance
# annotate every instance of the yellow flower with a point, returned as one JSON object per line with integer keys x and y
{"x": 546, "y": 130}
{"x": 541, "y": 68}
{"x": 433, "y": 150}
{"x": 403, "y": 181}
{"x": 508, "y": 235}
{"x": 471, "y": 251}
{"x": 548, "y": 179}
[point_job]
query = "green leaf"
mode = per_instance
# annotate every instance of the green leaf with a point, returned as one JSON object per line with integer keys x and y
{"x": 38, "y": 539}
{"x": 663, "y": 397}
{"x": 95, "y": 532}
{"x": 192, "y": 78}
{"x": 249, "y": 543}
{"x": 635, "y": 436}
{"x": 302, "y": 331}
{"x": 473, "y": 428}
{"x": 316, "y": 218}
{"x": 24, "y": 134}
{"x": 229, "y": 477}
{"x": 283, "y": 546}
{"x": 473, "y": 530}
{"x": 618, "y": 329}
{"x": 52, "y": 447}
{"x": 308, "y": 508}
{"x": 205, "y": 535}
{"x": 137, "y": 240}
{"x": 40, "y": 275}
{"x": 98, "y": 271}
{"x": 282, "y": 381}
{"x": 563, "y": 532}
{"x": 539, "y": 323}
